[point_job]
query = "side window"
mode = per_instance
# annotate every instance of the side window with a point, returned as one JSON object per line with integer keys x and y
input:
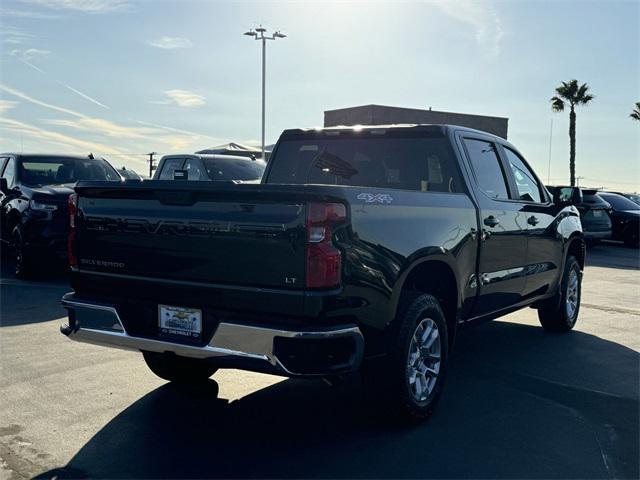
{"x": 528, "y": 187}
{"x": 10, "y": 172}
{"x": 194, "y": 170}
{"x": 169, "y": 168}
{"x": 486, "y": 166}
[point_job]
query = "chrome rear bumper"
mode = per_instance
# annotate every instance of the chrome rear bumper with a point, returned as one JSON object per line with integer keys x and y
{"x": 101, "y": 325}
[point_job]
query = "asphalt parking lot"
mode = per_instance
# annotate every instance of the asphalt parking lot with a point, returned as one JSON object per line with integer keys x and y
{"x": 519, "y": 403}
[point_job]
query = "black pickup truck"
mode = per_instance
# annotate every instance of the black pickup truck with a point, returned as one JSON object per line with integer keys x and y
{"x": 362, "y": 249}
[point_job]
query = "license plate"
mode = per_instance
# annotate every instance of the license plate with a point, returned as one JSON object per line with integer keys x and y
{"x": 597, "y": 213}
{"x": 180, "y": 321}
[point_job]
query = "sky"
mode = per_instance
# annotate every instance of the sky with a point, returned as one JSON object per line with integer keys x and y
{"x": 121, "y": 78}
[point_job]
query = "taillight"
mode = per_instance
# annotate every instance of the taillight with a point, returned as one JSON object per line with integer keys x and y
{"x": 324, "y": 260}
{"x": 72, "y": 203}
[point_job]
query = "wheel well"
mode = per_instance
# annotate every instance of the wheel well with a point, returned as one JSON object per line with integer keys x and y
{"x": 435, "y": 278}
{"x": 577, "y": 248}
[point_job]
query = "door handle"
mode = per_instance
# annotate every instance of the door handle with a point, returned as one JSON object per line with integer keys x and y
{"x": 491, "y": 221}
{"x": 533, "y": 220}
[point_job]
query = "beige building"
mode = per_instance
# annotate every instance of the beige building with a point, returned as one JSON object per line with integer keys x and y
{"x": 381, "y": 115}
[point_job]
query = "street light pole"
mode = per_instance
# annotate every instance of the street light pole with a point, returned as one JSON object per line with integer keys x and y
{"x": 260, "y": 33}
{"x": 264, "y": 89}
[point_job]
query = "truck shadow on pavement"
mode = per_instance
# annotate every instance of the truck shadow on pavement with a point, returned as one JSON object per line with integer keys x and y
{"x": 519, "y": 403}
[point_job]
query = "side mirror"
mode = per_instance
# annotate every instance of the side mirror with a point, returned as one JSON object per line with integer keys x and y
{"x": 567, "y": 196}
{"x": 4, "y": 186}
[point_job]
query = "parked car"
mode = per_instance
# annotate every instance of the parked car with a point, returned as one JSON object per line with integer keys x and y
{"x": 634, "y": 197}
{"x": 129, "y": 174}
{"x": 625, "y": 216}
{"x": 33, "y": 202}
{"x": 361, "y": 250}
{"x": 210, "y": 168}
{"x": 594, "y": 214}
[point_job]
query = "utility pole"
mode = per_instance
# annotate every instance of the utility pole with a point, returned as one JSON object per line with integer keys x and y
{"x": 260, "y": 34}
{"x": 152, "y": 167}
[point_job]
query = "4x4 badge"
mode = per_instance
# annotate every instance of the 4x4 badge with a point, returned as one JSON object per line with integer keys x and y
{"x": 375, "y": 197}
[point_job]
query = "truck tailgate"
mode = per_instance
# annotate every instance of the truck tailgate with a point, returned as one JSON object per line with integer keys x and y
{"x": 233, "y": 234}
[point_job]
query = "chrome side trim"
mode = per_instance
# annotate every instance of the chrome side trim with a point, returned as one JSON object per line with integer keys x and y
{"x": 229, "y": 339}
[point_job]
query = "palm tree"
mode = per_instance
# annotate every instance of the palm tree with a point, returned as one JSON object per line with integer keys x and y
{"x": 636, "y": 112}
{"x": 573, "y": 94}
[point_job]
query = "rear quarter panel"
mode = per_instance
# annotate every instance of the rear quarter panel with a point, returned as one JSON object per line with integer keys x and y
{"x": 391, "y": 232}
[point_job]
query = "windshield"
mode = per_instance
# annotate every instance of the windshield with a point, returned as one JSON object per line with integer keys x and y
{"x": 412, "y": 163}
{"x": 633, "y": 197}
{"x": 232, "y": 169}
{"x": 35, "y": 171}
{"x": 618, "y": 202}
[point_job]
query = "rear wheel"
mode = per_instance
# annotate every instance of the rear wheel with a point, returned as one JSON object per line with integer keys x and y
{"x": 178, "y": 369}
{"x": 411, "y": 379}
{"x": 561, "y": 312}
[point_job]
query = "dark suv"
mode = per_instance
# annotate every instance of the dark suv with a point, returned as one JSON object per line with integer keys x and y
{"x": 34, "y": 190}
{"x": 625, "y": 215}
{"x": 594, "y": 214}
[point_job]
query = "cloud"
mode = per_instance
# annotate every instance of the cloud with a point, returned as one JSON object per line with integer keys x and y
{"x": 83, "y": 6}
{"x": 38, "y": 132}
{"x": 148, "y": 135}
{"x": 482, "y": 17}
{"x": 184, "y": 98}
{"x": 179, "y": 130}
{"x": 6, "y": 105}
{"x": 5, "y": 12}
{"x": 14, "y": 36}
{"x": 170, "y": 43}
{"x": 102, "y": 126}
{"x": 24, "y": 96}
{"x": 29, "y": 54}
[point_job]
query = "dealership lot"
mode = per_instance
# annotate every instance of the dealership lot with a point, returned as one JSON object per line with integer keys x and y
{"x": 519, "y": 403}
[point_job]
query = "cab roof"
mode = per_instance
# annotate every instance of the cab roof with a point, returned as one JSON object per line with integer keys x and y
{"x": 378, "y": 129}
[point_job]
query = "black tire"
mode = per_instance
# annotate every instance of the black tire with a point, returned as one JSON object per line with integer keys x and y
{"x": 23, "y": 262}
{"x": 632, "y": 240}
{"x": 556, "y": 315}
{"x": 178, "y": 369}
{"x": 392, "y": 378}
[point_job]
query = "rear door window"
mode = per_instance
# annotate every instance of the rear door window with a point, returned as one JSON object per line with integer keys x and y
{"x": 486, "y": 167}
{"x": 526, "y": 183}
{"x": 169, "y": 168}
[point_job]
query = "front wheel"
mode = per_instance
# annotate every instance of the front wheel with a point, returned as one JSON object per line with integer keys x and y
{"x": 561, "y": 312}
{"x": 412, "y": 378}
{"x": 22, "y": 256}
{"x": 178, "y": 369}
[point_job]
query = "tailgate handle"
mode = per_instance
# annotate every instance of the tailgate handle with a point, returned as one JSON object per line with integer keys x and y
{"x": 176, "y": 198}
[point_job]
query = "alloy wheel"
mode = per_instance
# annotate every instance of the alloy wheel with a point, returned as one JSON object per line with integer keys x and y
{"x": 571, "y": 301}
{"x": 423, "y": 360}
